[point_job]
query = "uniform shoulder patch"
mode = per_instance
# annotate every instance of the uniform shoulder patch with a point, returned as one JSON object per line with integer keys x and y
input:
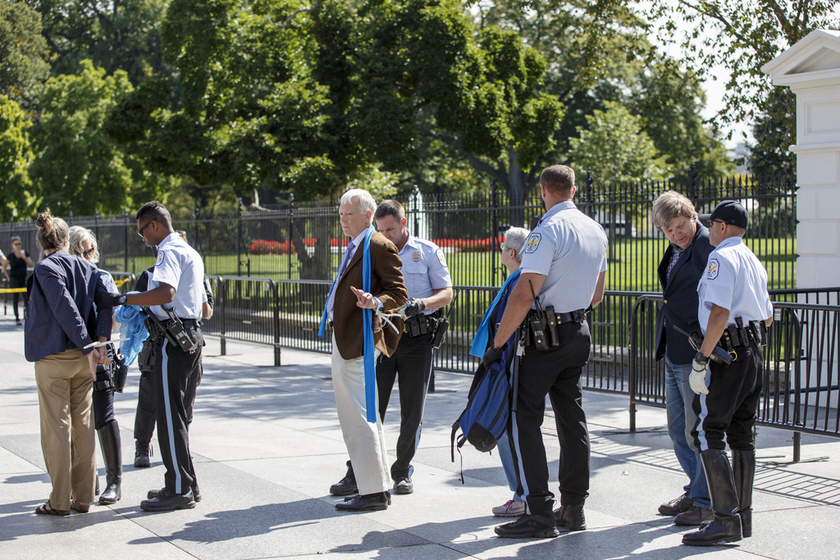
{"x": 159, "y": 258}
{"x": 533, "y": 242}
{"x": 713, "y": 269}
{"x": 441, "y": 258}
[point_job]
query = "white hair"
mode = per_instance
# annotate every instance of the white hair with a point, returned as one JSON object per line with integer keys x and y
{"x": 360, "y": 197}
{"x": 77, "y": 236}
{"x": 515, "y": 239}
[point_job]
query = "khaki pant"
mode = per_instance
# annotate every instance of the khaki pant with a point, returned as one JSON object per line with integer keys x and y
{"x": 67, "y": 438}
{"x": 365, "y": 441}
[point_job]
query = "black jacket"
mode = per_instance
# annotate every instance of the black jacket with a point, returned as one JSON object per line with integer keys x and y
{"x": 61, "y": 314}
{"x": 681, "y": 301}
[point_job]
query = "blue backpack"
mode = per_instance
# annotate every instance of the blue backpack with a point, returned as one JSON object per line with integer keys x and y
{"x": 486, "y": 415}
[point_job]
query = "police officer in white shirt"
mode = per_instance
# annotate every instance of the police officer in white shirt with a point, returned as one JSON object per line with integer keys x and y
{"x": 564, "y": 262}
{"x": 177, "y": 285}
{"x": 734, "y": 312}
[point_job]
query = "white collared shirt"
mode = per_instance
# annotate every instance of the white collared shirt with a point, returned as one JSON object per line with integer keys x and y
{"x": 179, "y": 266}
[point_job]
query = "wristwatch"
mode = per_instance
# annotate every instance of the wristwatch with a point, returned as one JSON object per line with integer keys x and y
{"x": 122, "y": 299}
{"x": 700, "y": 358}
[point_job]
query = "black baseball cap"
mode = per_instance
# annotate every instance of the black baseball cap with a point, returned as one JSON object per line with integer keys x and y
{"x": 730, "y": 212}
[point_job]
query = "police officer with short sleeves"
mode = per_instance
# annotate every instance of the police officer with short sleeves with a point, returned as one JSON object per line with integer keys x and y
{"x": 175, "y": 295}
{"x": 564, "y": 262}
{"x": 734, "y": 313}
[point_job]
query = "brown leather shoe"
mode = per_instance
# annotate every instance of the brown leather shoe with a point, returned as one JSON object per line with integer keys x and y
{"x": 695, "y": 516}
{"x": 677, "y": 505}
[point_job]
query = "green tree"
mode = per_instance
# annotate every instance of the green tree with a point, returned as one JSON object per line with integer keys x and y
{"x": 742, "y": 36}
{"x": 77, "y": 168}
{"x": 615, "y": 148}
{"x": 114, "y": 34}
{"x": 15, "y": 158}
{"x": 23, "y": 52}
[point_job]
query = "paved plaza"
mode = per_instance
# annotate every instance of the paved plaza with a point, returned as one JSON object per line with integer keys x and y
{"x": 267, "y": 446}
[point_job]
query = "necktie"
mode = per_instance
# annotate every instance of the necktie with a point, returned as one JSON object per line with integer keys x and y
{"x": 674, "y": 258}
{"x": 347, "y": 255}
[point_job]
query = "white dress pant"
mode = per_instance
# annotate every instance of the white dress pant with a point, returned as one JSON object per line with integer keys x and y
{"x": 365, "y": 441}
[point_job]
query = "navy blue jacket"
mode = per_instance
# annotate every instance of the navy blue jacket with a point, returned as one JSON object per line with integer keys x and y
{"x": 680, "y": 295}
{"x": 61, "y": 313}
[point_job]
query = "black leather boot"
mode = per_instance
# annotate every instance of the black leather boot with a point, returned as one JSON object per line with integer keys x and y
{"x": 347, "y": 485}
{"x": 109, "y": 441}
{"x": 743, "y": 467}
{"x": 726, "y": 526}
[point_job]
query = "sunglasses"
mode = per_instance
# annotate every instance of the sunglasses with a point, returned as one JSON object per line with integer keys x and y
{"x": 140, "y": 231}
{"x": 89, "y": 252}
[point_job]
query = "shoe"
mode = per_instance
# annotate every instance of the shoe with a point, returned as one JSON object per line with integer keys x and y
{"x": 152, "y": 494}
{"x": 570, "y": 517}
{"x": 142, "y": 455}
{"x": 677, "y": 505}
{"x": 368, "y": 502}
{"x": 47, "y": 509}
{"x": 403, "y": 486}
{"x": 529, "y": 526}
{"x": 726, "y": 526}
{"x": 510, "y": 508}
{"x": 347, "y": 485}
{"x": 165, "y": 500}
{"x": 17, "y": 322}
{"x": 695, "y": 516}
{"x": 79, "y": 507}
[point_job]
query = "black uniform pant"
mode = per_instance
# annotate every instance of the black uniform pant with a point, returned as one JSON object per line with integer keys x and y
{"x": 730, "y": 407}
{"x": 412, "y": 361}
{"x": 555, "y": 372}
{"x": 173, "y": 369}
{"x": 144, "y": 418}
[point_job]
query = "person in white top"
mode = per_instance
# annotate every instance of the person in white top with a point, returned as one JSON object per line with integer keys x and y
{"x": 734, "y": 311}
{"x": 175, "y": 296}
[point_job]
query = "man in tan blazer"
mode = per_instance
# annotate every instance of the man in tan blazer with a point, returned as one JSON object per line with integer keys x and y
{"x": 365, "y": 440}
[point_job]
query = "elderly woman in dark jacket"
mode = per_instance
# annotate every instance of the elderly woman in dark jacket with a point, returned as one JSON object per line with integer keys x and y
{"x": 61, "y": 327}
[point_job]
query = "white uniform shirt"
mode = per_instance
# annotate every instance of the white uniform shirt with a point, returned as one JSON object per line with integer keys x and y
{"x": 180, "y": 266}
{"x": 734, "y": 280}
{"x": 570, "y": 249}
{"x": 424, "y": 268}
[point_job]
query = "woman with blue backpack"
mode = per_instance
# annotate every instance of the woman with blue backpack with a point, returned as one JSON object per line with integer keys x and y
{"x": 514, "y": 240}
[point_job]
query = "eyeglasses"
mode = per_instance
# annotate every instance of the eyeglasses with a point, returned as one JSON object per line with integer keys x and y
{"x": 711, "y": 222}
{"x": 140, "y": 231}
{"x": 89, "y": 252}
{"x": 16, "y": 243}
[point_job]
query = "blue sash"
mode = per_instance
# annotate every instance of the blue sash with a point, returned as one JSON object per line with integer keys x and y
{"x": 482, "y": 335}
{"x": 367, "y": 318}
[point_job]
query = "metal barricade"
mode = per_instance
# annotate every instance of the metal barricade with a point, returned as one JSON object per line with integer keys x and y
{"x": 249, "y": 312}
{"x": 800, "y": 381}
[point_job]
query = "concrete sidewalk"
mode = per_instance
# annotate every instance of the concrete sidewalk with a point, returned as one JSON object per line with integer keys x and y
{"x": 267, "y": 447}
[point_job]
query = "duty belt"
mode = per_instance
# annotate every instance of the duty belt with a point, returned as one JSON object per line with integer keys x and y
{"x": 734, "y": 336}
{"x": 577, "y": 316}
{"x": 419, "y": 325}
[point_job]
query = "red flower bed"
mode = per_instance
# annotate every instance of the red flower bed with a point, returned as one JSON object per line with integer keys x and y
{"x": 266, "y": 247}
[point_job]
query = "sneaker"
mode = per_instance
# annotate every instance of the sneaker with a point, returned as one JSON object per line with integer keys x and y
{"x": 529, "y": 526}
{"x": 677, "y": 505}
{"x": 510, "y": 508}
{"x": 693, "y": 517}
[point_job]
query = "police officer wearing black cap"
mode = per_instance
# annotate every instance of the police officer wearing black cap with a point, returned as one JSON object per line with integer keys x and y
{"x": 734, "y": 312}
{"x": 174, "y": 299}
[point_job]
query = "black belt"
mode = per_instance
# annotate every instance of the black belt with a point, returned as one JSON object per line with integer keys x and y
{"x": 576, "y": 316}
{"x": 194, "y": 323}
{"x": 734, "y": 337}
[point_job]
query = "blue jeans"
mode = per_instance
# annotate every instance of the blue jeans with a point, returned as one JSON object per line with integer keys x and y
{"x": 681, "y": 420}
{"x": 507, "y": 464}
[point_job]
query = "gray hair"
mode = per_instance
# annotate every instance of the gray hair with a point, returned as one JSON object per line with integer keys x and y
{"x": 515, "y": 239}
{"x": 79, "y": 235}
{"x": 360, "y": 197}
{"x": 670, "y": 205}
